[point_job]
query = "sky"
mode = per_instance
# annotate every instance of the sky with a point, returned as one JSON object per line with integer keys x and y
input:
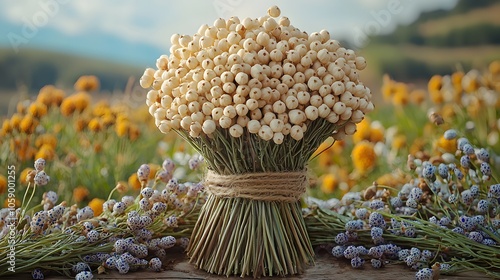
{"x": 137, "y": 32}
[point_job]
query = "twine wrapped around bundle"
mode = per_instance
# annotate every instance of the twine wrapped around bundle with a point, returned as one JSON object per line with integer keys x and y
{"x": 264, "y": 186}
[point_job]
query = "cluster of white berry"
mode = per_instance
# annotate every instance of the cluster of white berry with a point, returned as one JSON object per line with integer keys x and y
{"x": 263, "y": 75}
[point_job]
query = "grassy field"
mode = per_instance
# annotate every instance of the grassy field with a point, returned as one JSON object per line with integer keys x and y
{"x": 441, "y": 26}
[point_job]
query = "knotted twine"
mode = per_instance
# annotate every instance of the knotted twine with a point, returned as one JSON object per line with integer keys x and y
{"x": 264, "y": 186}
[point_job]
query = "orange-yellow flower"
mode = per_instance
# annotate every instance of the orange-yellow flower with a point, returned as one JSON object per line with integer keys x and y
{"x": 363, "y": 130}
{"x": 435, "y": 83}
{"x": 134, "y": 132}
{"x": 456, "y": 81}
{"x": 377, "y": 134}
{"x": 15, "y": 120}
{"x": 80, "y": 193}
{"x": 107, "y": 120}
{"x": 446, "y": 146}
{"x": 448, "y": 111}
{"x": 97, "y": 148}
{"x": 434, "y": 86}
{"x": 50, "y": 95}
{"x": 45, "y": 95}
{"x": 22, "y": 106}
{"x": 80, "y": 124}
{"x": 95, "y": 125}
{"x": 3, "y": 184}
{"x": 46, "y": 151}
{"x": 6, "y": 127}
{"x": 48, "y": 139}
{"x": 329, "y": 183}
{"x": 101, "y": 108}
{"x": 387, "y": 87}
{"x": 153, "y": 169}
{"x": 494, "y": 67}
{"x": 363, "y": 157}
{"x": 81, "y": 100}
{"x": 87, "y": 83}
{"x": 37, "y": 109}
{"x": 399, "y": 142}
{"x": 27, "y": 124}
{"x": 474, "y": 107}
{"x": 68, "y": 106}
{"x": 134, "y": 182}
{"x": 96, "y": 205}
{"x": 470, "y": 82}
{"x": 57, "y": 96}
{"x": 417, "y": 96}
{"x": 122, "y": 128}
{"x": 24, "y": 175}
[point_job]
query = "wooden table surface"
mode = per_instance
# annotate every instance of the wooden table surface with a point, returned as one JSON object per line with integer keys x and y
{"x": 326, "y": 267}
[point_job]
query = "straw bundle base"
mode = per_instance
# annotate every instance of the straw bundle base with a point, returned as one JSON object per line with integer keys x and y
{"x": 245, "y": 237}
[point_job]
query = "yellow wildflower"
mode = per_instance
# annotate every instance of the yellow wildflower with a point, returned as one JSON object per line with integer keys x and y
{"x": 434, "y": 86}
{"x": 22, "y": 106}
{"x": 134, "y": 132}
{"x": 87, "y": 83}
{"x": 15, "y": 120}
{"x": 363, "y": 131}
{"x": 80, "y": 124}
{"x": 377, "y": 134}
{"x": 363, "y": 157}
{"x": 399, "y": 142}
{"x": 329, "y": 183}
{"x": 387, "y": 87}
{"x": 107, "y": 120}
{"x": 57, "y": 96}
{"x": 474, "y": 107}
{"x": 80, "y": 193}
{"x": 448, "y": 111}
{"x": 96, "y": 205}
{"x": 45, "y": 95}
{"x": 95, "y": 125}
{"x": 81, "y": 100}
{"x": 417, "y": 96}
{"x": 446, "y": 146}
{"x": 6, "y": 127}
{"x": 68, "y": 106}
{"x": 134, "y": 182}
{"x": 46, "y": 151}
{"x": 470, "y": 82}
{"x": 153, "y": 169}
{"x": 37, "y": 109}
{"x": 456, "y": 81}
{"x": 24, "y": 175}
{"x": 3, "y": 184}
{"x": 27, "y": 124}
{"x": 400, "y": 95}
{"x": 101, "y": 108}
{"x": 97, "y": 148}
{"x": 122, "y": 128}
{"x": 494, "y": 67}
{"x": 435, "y": 83}
{"x": 48, "y": 139}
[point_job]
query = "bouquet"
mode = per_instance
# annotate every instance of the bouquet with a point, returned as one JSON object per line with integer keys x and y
{"x": 255, "y": 97}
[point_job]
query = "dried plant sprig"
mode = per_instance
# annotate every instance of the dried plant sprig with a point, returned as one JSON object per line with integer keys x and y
{"x": 68, "y": 235}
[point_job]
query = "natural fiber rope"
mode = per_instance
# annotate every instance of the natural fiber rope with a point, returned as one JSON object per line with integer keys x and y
{"x": 265, "y": 186}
